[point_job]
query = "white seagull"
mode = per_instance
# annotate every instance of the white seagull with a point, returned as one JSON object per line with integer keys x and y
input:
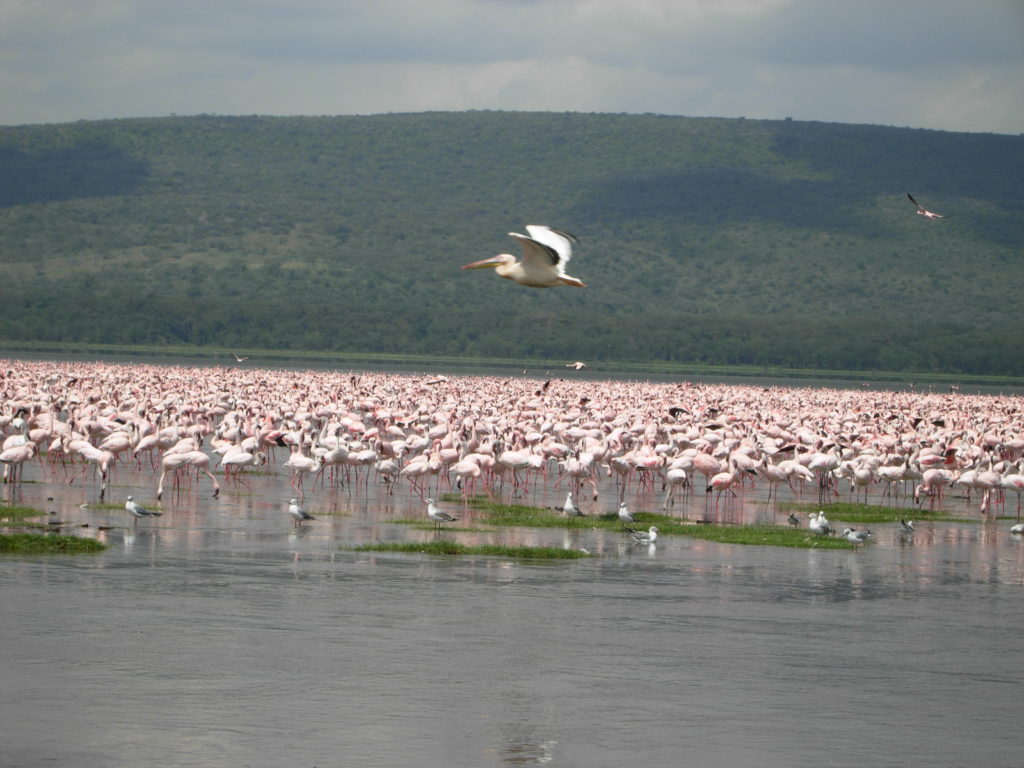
{"x": 438, "y": 515}
{"x": 820, "y": 524}
{"x": 856, "y": 537}
{"x": 570, "y": 509}
{"x": 625, "y": 515}
{"x": 139, "y": 511}
{"x": 645, "y": 537}
{"x": 906, "y": 526}
{"x": 1018, "y": 528}
{"x": 922, "y": 211}
{"x": 546, "y": 252}
{"x": 299, "y": 515}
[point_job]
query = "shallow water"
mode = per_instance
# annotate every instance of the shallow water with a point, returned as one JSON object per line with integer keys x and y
{"x": 220, "y": 635}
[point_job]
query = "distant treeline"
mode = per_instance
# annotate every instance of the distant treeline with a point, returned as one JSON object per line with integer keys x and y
{"x": 737, "y": 242}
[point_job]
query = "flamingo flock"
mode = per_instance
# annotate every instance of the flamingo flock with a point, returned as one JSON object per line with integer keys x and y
{"x": 202, "y": 429}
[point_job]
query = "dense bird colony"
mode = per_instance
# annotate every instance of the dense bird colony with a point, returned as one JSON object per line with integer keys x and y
{"x": 499, "y": 435}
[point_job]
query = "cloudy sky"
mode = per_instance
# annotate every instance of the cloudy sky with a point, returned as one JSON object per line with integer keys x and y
{"x": 947, "y": 64}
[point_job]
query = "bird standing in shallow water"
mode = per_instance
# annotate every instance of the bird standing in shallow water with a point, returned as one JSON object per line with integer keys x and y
{"x": 438, "y": 515}
{"x": 856, "y": 537}
{"x": 906, "y": 526}
{"x": 299, "y": 515}
{"x": 644, "y": 537}
{"x": 138, "y": 511}
{"x": 546, "y": 252}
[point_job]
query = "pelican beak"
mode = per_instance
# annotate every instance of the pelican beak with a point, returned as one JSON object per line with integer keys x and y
{"x": 494, "y": 261}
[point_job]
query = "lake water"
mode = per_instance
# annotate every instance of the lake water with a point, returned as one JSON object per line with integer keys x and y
{"x": 220, "y": 635}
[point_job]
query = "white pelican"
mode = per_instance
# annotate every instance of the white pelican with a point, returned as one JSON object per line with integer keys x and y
{"x": 922, "y": 211}
{"x": 578, "y": 365}
{"x": 546, "y": 252}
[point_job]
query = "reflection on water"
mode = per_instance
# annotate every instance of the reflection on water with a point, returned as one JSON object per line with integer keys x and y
{"x": 221, "y": 635}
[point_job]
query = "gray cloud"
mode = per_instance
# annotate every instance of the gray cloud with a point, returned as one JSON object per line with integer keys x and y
{"x": 931, "y": 63}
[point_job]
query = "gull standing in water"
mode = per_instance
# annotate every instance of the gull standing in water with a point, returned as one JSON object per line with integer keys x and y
{"x": 546, "y": 252}
{"x": 856, "y": 537}
{"x": 906, "y": 526}
{"x": 438, "y": 515}
{"x": 138, "y": 511}
{"x": 644, "y": 537}
{"x": 299, "y": 515}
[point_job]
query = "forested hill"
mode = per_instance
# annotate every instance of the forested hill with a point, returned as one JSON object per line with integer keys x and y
{"x": 777, "y": 243}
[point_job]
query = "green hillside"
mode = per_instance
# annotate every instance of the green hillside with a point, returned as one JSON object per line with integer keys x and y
{"x": 779, "y": 243}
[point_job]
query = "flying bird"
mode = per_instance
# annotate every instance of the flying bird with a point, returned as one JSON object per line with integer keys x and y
{"x": 546, "y": 252}
{"x": 922, "y": 211}
{"x": 139, "y": 511}
{"x": 239, "y": 359}
{"x": 577, "y": 365}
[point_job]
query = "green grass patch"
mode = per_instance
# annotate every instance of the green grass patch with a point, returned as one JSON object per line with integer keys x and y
{"x": 40, "y": 544}
{"x": 850, "y": 512}
{"x": 454, "y": 548}
{"x": 763, "y": 535}
{"x": 17, "y": 514}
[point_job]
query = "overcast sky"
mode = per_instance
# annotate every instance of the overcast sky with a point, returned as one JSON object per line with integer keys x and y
{"x": 948, "y": 64}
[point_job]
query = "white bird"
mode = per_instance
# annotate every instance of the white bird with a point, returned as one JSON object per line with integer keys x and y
{"x": 578, "y": 365}
{"x": 625, "y": 515}
{"x": 299, "y": 515}
{"x": 906, "y": 526}
{"x": 645, "y": 537}
{"x": 546, "y": 252}
{"x": 139, "y": 511}
{"x": 570, "y": 509}
{"x": 922, "y": 211}
{"x": 820, "y": 524}
{"x": 856, "y": 537}
{"x": 438, "y": 515}
{"x": 239, "y": 359}
{"x": 1018, "y": 528}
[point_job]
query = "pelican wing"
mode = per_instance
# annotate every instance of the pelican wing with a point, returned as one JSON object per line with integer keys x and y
{"x": 536, "y": 254}
{"x": 559, "y": 241}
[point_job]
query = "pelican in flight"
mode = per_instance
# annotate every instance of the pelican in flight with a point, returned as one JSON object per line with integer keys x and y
{"x": 546, "y": 252}
{"x": 922, "y": 211}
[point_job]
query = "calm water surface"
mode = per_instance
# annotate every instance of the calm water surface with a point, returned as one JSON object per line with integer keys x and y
{"x": 219, "y": 635}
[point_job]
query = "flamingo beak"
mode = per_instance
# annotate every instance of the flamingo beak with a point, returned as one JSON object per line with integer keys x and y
{"x": 494, "y": 261}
